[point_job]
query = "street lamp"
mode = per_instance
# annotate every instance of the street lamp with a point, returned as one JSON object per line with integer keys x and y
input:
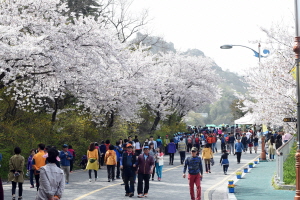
{"x": 296, "y": 49}
{"x": 256, "y": 54}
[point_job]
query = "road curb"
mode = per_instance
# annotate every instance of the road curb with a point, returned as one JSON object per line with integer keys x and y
{"x": 231, "y": 196}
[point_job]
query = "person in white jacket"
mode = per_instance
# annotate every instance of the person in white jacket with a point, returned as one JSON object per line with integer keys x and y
{"x": 52, "y": 179}
{"x": 159, "y": 163}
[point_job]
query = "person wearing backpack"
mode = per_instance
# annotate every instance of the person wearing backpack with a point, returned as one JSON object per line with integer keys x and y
{"x": 197, "y": 142}
{"x": 223, "y": 143}
{"x": 195, "y": 170}
{"x": 159, "y": 142}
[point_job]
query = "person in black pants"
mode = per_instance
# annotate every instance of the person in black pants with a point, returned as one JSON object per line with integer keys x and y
{"x": 145, "y": 168}
{"x": 224, "y": 161}
{"x": 238, "y": 150}
{"x": 128, "y": 164}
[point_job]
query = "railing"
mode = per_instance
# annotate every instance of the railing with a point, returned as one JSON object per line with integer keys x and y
{"x": 282, "y": 154}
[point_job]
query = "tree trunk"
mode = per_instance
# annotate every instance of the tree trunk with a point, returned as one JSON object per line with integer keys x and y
{"x": 155, "y": 123}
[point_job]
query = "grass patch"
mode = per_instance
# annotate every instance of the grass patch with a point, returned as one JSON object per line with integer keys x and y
{"x": 289, "y": 168}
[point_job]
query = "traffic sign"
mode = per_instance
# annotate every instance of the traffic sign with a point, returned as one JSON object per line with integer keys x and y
{"x": 290, "y": 120}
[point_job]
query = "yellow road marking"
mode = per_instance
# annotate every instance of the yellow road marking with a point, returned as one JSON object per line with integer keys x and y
{"x": 206, "y": 193}
{"x": 96, "y": 191}
{"x": 85, "y": 195}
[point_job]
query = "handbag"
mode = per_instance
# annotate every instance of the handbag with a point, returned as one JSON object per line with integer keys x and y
{"x": 92, "y": 160}
{"x": 212, "y": 162}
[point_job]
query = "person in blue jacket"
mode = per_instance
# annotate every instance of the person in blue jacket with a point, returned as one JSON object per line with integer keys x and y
{"x": 65, "y": 157}
{"x": 171, "y": 151}
{"x": 238, "y": 150}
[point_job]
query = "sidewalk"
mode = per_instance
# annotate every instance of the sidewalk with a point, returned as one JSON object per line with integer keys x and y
{"x": 256, "y": 184}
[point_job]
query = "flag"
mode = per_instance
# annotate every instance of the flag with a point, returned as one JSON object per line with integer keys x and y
{"x": 294, "y": 72}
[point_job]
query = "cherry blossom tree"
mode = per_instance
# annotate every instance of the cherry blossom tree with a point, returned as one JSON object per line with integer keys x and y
{"x": 272, "y": 91}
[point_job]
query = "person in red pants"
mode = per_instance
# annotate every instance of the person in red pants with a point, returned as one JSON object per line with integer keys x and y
{"x": 195, "y": 171}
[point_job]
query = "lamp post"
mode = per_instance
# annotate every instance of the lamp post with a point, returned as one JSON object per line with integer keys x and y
{"x": 258, "y": 55}
{"x": 296, "y": 49}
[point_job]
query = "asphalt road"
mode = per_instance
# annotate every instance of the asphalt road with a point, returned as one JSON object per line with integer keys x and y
{"x": 171, "y": 187}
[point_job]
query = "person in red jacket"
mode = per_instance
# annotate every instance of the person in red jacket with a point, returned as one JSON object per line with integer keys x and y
{"x": 209, "y": 140}
{"x": 145, "y": 168}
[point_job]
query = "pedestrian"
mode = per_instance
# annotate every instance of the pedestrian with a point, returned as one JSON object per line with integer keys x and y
{"x": 102, "y": 152}
{"x": 159, "y": 163}
{"x": 38, "y": 161}
{"x": 118, "y": 151}
{"x": 223, "y": 142}
{"x": 214, "y": 143}
{"x": 209, "y": 140}
{"x": 250, "y": 143}
{"x": 278, "y": 141}
{"x": 110, "y": 160}
{"x": 107, "y": 144}
{"x": 145, "y": 168}
{"x": 146, "y": 143}
{"x": 99, "y": 153}
{"x": 207, "y": 154}
{"x": 272, "y": 147}
{"x": 231, "y": 141}
{"x": 73, "y": 153}
{"x": 195, "y": 170}
{"x": 152, "y": 153}
{"x": 165, "y": 143}
{"x": 255, "y": 141}
{"x": 244, "y": 141}
{"x": 182, "y": 149}
{"x": 238, "y": 150}
{"x": 93, "y": 164}
{"x": 52, "y": 179}
{"x": 16, "y": 175}
{"x": 153, "y": 141}
{"x": 189, "y": 144}
{"x": 30, "y": 170}
{"x": 138, "y": 148}
{"x": 224, "y": 161}
{"x": 128, "y": 165}
{"x": 65, "y": 157}
{"x": 159, "y": 142}
{"x": 171, "y": 151}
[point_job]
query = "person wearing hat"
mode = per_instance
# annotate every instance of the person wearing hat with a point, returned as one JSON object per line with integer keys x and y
{"x": 145, "y": 168}
{"x": 65, "y": 157}
{"x": 195, "y": 170}
{"x": 128, "y": 165}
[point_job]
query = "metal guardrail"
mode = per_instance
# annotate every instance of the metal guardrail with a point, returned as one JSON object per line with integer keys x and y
{"x": 282, "y": 154}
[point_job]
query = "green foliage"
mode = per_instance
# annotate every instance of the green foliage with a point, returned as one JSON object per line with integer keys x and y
{"x": 289, "y": 167}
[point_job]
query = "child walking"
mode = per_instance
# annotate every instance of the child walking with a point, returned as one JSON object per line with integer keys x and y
{"x": 224, "y": 161}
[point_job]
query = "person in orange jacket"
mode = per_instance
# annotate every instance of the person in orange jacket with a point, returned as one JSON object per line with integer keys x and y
{"x": 209, "y": 140}
{"x": 111, "y": 161}
{"x": 38, "y": 161}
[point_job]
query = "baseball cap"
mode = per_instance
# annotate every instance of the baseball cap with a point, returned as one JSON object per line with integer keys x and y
{"x": 194, "y": 149}
{"x": 146, "y": 147}
{"x": 65, "y": 146}
{"x": 129, "y": 145}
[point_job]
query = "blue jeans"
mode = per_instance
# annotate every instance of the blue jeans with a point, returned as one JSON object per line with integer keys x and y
{"x": 213, "y": 147}
{"x": 158, "y": 170}
{"x": 31, "y": 176}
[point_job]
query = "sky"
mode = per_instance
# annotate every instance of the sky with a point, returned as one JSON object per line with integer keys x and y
{"x": 208, "y": 24}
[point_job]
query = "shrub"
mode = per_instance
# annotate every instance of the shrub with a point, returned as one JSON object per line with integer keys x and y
{"x": 289, "y": 168}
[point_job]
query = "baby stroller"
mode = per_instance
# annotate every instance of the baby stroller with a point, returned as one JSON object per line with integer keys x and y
{"x": 83, "y": 162}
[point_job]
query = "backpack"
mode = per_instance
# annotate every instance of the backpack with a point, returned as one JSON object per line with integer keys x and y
{"x": 158, "y": 143}
{"x": 197, "y": 140}
{"x": 227, "y": 139}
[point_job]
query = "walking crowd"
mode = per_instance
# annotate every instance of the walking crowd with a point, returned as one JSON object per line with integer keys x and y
{"x": 137, "y": 162}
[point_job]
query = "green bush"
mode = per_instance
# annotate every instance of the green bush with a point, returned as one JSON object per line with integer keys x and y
{"x": 289, "y": 168}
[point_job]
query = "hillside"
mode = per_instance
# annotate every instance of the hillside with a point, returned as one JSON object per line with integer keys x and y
{"x": 219, "y": 112}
